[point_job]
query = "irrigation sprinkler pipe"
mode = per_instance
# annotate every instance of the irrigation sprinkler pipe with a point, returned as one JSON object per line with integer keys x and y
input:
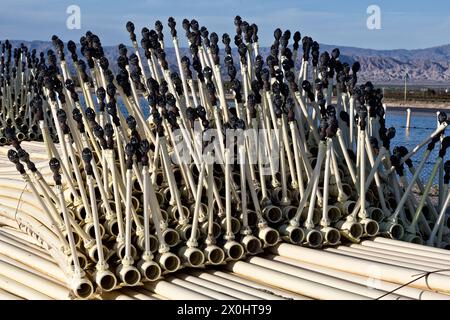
{"x": 104, "y": 278}
{"x": 78, "y": 176}
{"x": 421, "y": 189}
{"x": 90, "y": 163}
{"x": 233, "y": 249}
{"x": 439, "y": 222}
{"x": 213, "y": 254}
{"x": 407, "y": 291}
{"x": 193, "y": 256}
{"x": 52, "y": 152}
{"x": 55, "y": 167}
{"x": 391, "y": 259}
{"x": 284, "y": 201}
{"x": 126, "y": 271}
{"x": 164, "y": 257}
{"x": 13, "y": 157}
{"x": 348, "y": 161}
{"x": 173, "y": 291}
{"x": 183, "y": 220}
{"x": 331, "y": 235}
{"x": 439, "y": 129}
{"x": 31, "y": 280}
{"x": 298, "y": 166}
{"x": 242, "y": 291}
{"x": 299, "y": 102}
{"x": 149, "y": 269}
{"x": 412, "y": 227}
{"x": 15, "y": 289}
{"x": 251, "y": 243}
{"x": 328, "y": 280}
{"x": 342, "y": 197}
{"x": 396, "y": 254}
{"x": 11, "y": 254}
{"x": 385, "y": 260}
{"x": 292, "y": 283}
{"x": 24, "y": 243}
{"x": 406, "y": 193}
{"x": 110, "y": 157}
{"x": 434, "y": 281}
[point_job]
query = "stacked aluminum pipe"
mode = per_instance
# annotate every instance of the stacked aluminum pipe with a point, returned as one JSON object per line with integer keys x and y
{"x": 295, "y": 157}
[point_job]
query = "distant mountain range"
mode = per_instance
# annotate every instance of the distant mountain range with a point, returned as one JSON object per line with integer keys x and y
{"x": 424, "y": 66}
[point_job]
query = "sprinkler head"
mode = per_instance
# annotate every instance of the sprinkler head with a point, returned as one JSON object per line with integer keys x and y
{"x": 25, "y": 157}
{"x": 345, "y": 117}
{"x": 395, "y": 161}
{"x": 390, "y": 134}
{"x": 13, "y": 156}
{"x": 356, "y": 67}
{"x": 158, "y": 26}
{"x": 104, "y": 63}
{"x": 335, "y": 53}
{"x": 130, "y": 26}
{"x": 98, "y": 131}
{"x": 54, "y": 165}
{"x": 131, "y": 122}
{"x": 444, "y": 145}
{"x": 374, "y": 143}
{"x": 144, "y": 147}
{"x": 86, "y": 155}
{"x": 191, "y": 114}
{"x": 442, "y": 117}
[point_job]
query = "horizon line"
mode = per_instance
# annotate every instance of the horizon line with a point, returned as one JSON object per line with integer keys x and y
{"x": 168, "y": 45}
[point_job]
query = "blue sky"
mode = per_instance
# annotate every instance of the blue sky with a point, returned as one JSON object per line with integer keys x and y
{"x": 404, "y": 24}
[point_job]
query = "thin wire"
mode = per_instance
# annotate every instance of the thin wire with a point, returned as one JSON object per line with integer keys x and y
{"x": 19, "y": 201}
{"x": 425, "y": 274}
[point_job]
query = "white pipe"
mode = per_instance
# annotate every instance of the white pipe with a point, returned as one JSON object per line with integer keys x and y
{"x": 413, "y": 251}
{"x": 173, "y": 291}
{"x": 331, "y": 281}
{"x": 292, "y": 283}
{"x": 434, "y": 281}
{"x": 396, "y": 254}
{"x": 36, "y": 262}
{"x": 23, "y": 245}
{"x": 396, "y": 243}
{"x": 217, "y": 287}
{"x": 31, "y": 280}
{"x": 408, "y": 118}
{"x": 20, "y": 290}
{"x": 370, "y": 282}
{"x": 386, "y": 257}
{"x": 244, "y": 290}
{"x": 4, "y": 295}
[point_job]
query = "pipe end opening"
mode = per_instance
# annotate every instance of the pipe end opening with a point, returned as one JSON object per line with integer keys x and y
{"x": 314, "y": 238}
{"x": 172, "y": 263}
{"x": 132, "y": 277}
{"x": 84, "y": 290}
{"x": 333, "y": 236}
{"x": 356, "y": 230}
{"x": 216, "y": 256}
{"x": 152, "y": 272}
{"x": 108, "y": 282}
{"x": 196, "y": 258}
{"x": 235, "y": 252}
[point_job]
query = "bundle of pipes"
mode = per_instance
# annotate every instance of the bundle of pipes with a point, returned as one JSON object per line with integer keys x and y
{"x": 29, "y": 272}
{"x": 208, "y": 178}
{"x": 20, "y": 101}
